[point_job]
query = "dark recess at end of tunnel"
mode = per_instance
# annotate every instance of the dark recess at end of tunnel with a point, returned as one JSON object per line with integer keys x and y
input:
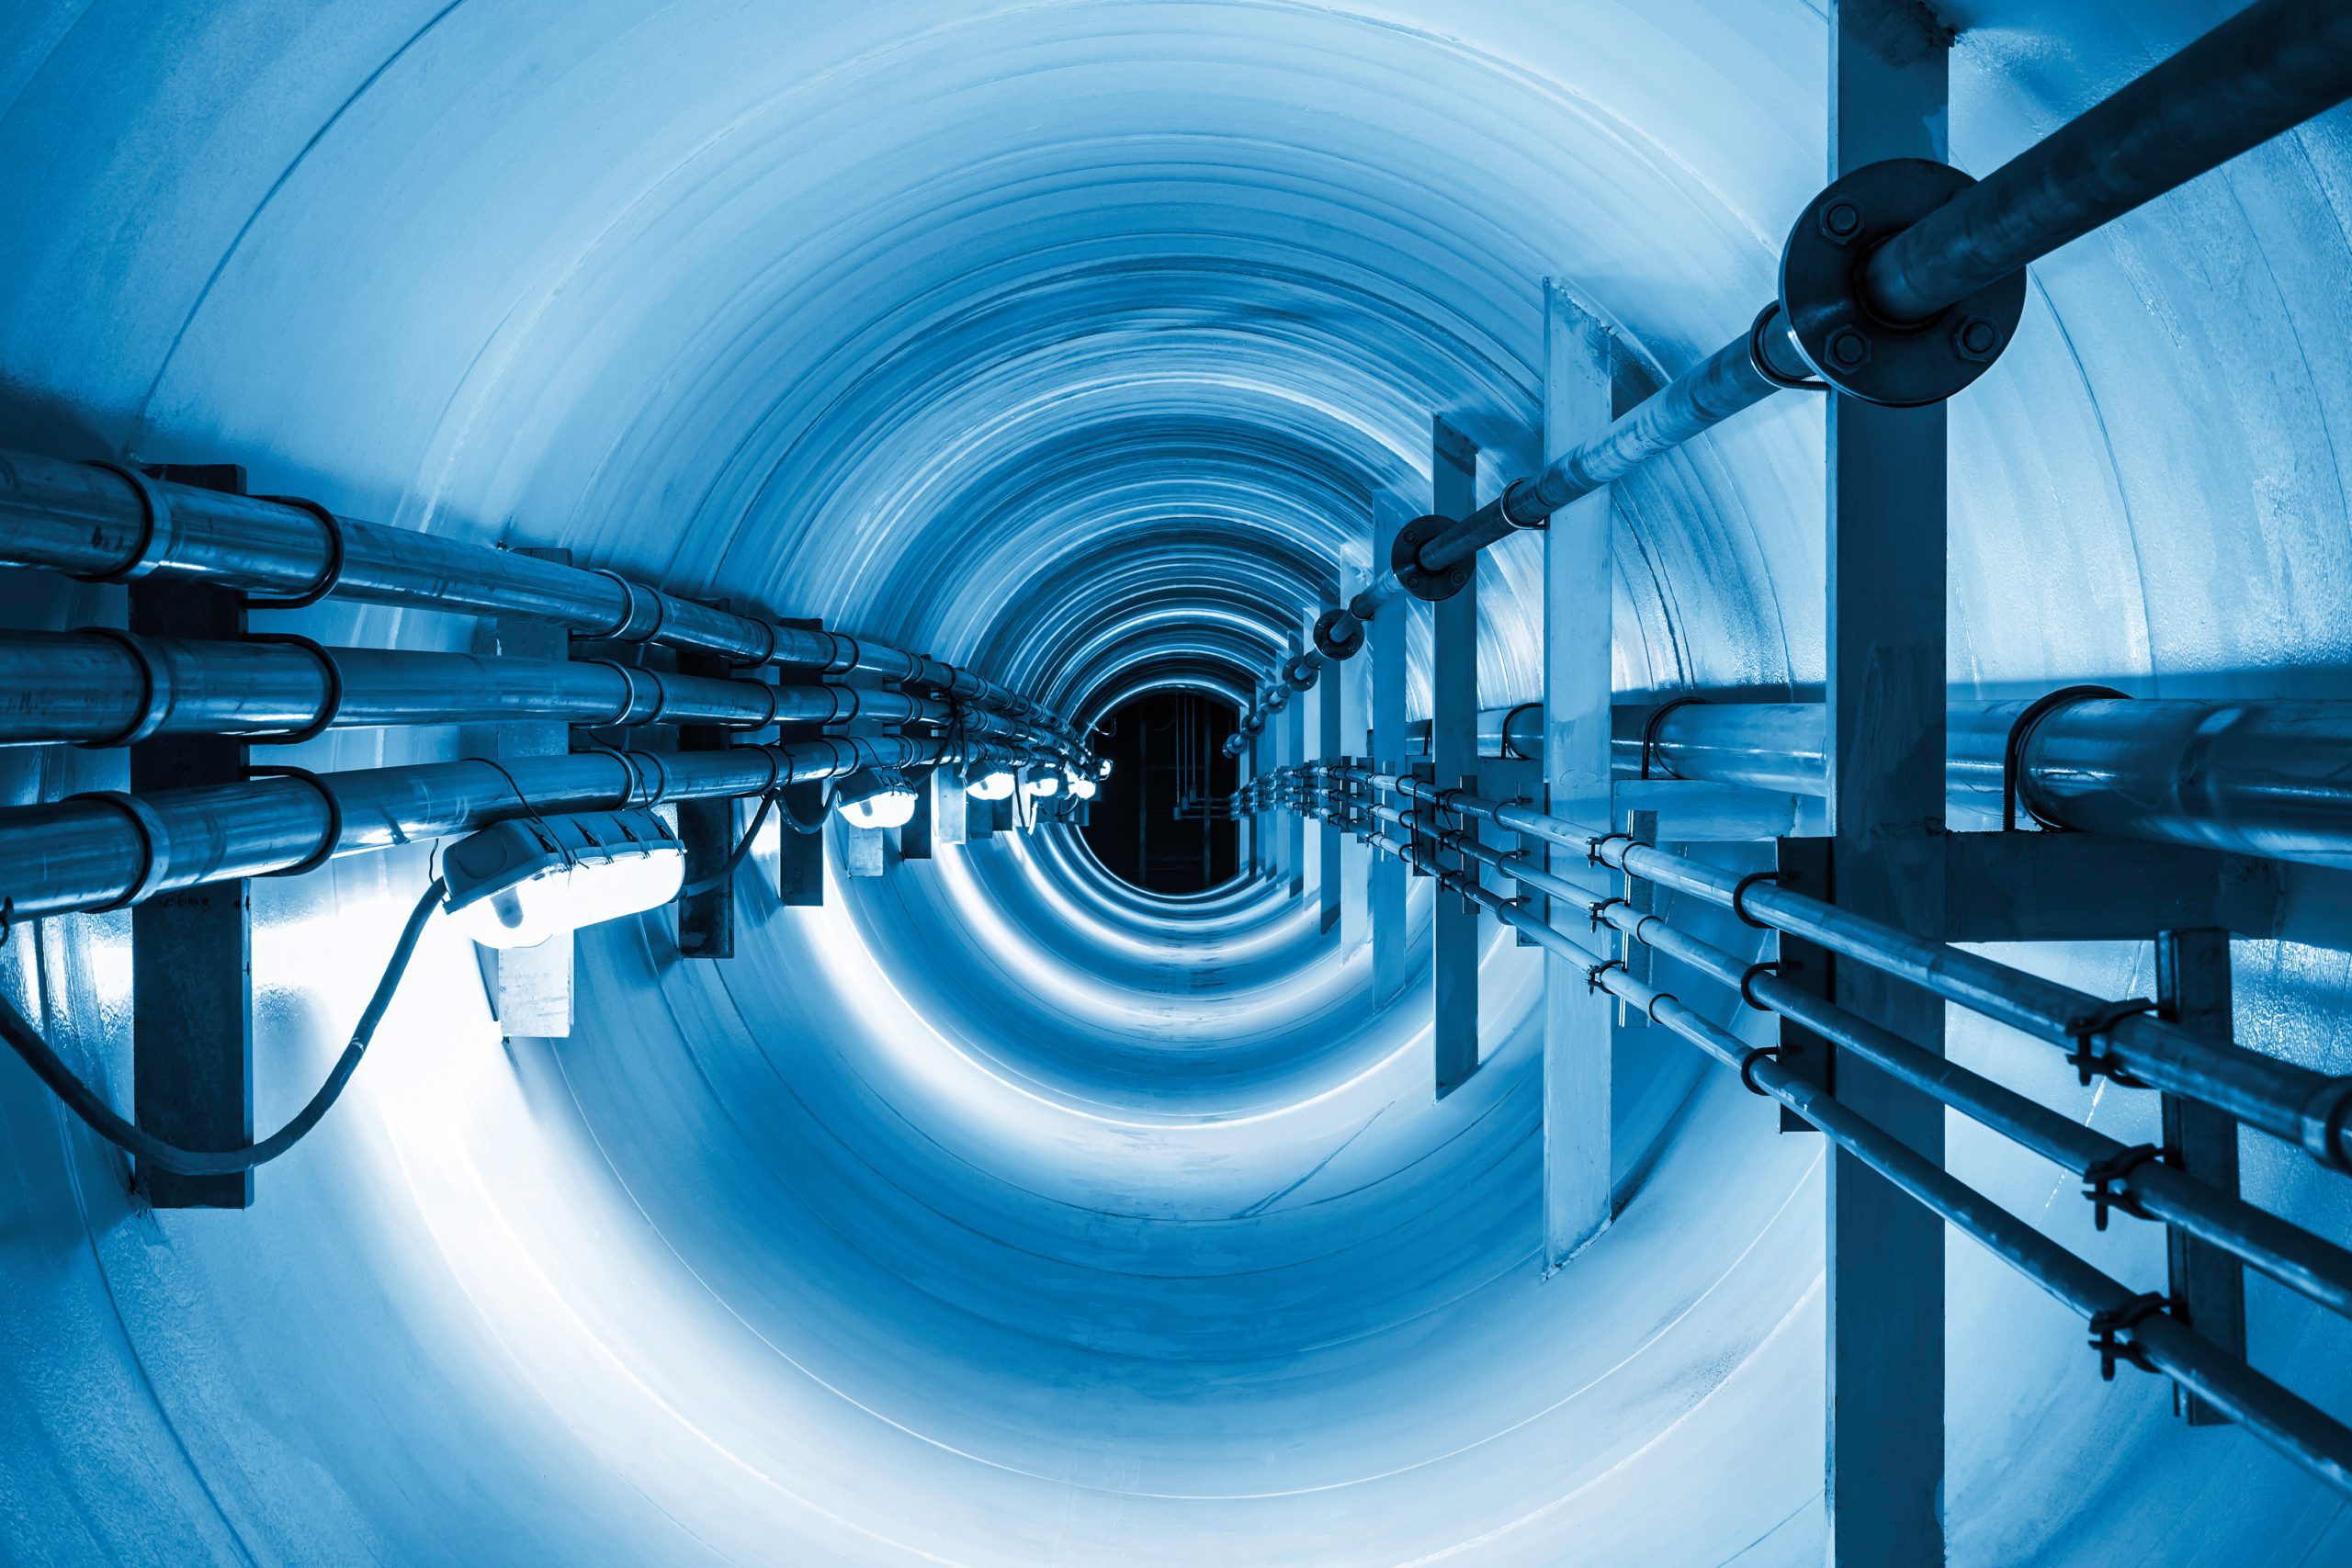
{"x": 1150, "y": 826}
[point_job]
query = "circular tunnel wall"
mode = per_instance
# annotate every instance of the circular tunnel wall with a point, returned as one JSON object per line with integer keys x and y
{"x": 997, "y": 1213}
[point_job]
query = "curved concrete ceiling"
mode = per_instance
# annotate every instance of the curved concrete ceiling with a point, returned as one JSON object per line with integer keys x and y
{"x": 993, "y": 1214}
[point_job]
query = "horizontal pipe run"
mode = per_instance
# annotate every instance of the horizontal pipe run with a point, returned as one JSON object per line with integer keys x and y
{"x": 98, "y": 688}
{"x": 105, "y": 851}
{"x": 2264, "y": 71}
{"x": 2306, "y": 1264}
{"x": 2271, "y": 779}
{"x": 2287, "y": 1423}
{"x": 2289, "y": 1102}
{"x": 2294, "y": 1104}
{"x": 111, "y": 524}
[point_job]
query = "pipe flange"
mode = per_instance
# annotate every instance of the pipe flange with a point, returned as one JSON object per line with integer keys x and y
{"x": 1901, "y": 365}
{"x": 1405, "y": 561}
{"x": 1331, "y": 646}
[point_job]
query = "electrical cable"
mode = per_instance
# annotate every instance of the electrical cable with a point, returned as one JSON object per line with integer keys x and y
{"x": 103, "y": 1120}
{"x": 743, "y": 847}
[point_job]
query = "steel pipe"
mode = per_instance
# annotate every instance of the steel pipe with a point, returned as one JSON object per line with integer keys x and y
{"x": 2132, "y": 1327}
{"x": 2303, "y": 1262}
{"x": 97, "y": 688}
{"x": 2310, "y": 1110}
{"x": 2290, "y": 1103}
{"x": 2257, "y": 75}
{"x": 109, "y": 523}
{"x": 2264, "y": 71}
{"x": 101, "y": 852}
{"x": 2271, "y": 779}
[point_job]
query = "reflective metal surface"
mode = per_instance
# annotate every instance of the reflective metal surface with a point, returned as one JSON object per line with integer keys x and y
{"x": 991, "y": 1215}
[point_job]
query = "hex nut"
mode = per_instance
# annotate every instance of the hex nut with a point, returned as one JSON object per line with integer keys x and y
{"x": 1840, "y": 221}
{"x": 1977, "y": 339}
{"x": 1850, "y": 347}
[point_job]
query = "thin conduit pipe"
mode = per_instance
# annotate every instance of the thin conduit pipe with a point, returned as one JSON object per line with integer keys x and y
{"x": 110, "y": 523}
{"x": 2287, "y": 1423}
{"x": 2294, "y": 1104}
{"x": 105, "y": 851}
{"x": 104, "y": 687}
{"x": 2303, "y": 1262}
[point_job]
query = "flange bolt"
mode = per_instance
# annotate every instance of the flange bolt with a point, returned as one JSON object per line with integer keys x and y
{"x": 1840, "y": 221}
{"x": 1977, "y": 339}
{"x": 1850, "y": 347}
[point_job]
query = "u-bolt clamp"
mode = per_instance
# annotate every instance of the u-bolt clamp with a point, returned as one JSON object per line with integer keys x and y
{"x": 2088, "y": 1031}
{"x": 2104, "y": 1182}
{"x": 2120, "y": 1319}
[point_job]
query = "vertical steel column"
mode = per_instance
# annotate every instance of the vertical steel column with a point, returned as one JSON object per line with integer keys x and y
{"x": 1292, "y": 824}
{"x": 1388, "y": 633}
{"x": 530, "y": 987}
{"x": 1350, "y": 681}
{"x": 191, "y": 950}
{"x": 2207, "y": 1284}
{"x": 1328, "y": 748}
{"x": 800, "y": 857}
{"x": 707, "y": 828}
{"x": 1578, "y": 1026}
{"x": 1885, "y": 1384}
{"x": 1453, "y": 751}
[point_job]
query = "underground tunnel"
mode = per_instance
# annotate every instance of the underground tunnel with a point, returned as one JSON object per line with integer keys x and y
{"x": 1176, "y": 781}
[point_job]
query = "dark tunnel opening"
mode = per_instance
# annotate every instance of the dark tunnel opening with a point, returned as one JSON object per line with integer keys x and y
{"x": 1153, "y": 826}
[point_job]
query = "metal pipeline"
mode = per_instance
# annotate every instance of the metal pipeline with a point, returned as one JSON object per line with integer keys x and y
{"x": 102, "y": 852}
{"x": 2294, "y": 1104}
{"x": 2269, "y": 779}
{"x": 108, "y": 688}
{"x": 2264, "y": 71}
{"x": 108, "y": 523}
{"x": 2132, "y": 1327}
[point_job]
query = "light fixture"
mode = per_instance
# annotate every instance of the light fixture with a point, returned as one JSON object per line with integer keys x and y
{"x": 517, "y": 883}
{"x": 1103, "y": 769}
{"x": 1042, "y": 786}
{"x": 877, "y": 797}
{"x": 1082, "y": 787}
{"x": 991, "y": 786}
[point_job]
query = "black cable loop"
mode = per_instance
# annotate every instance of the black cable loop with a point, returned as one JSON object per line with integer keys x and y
{"x": 330, "y": 576}
{"x": 1739, "y": 898}
{"x": 111, "y": 1125}
{"x": 2020, "y": 732}
{"x": 329, "y": 710}
{"x": 327, "y": 845}
{"x": 153, "y": 837}
{"x": 1748, "y": 1067}
{"x": 555, "y": 841}
{"x": 1510, "y": 747}
{"x": 155, "y": 526}
{"x": 154, "y": 689}
{"x": 1650, "y": 726}
{"x": 1748, "y": 980}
